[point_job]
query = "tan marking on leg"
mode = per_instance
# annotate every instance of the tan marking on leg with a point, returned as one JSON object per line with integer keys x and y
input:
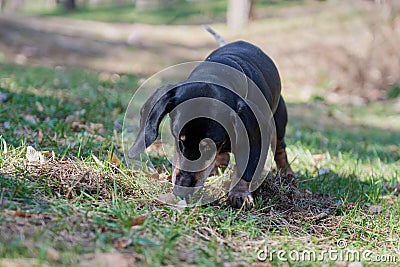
{"x": 221, "y": 161}
{"x": 281, "y": 160}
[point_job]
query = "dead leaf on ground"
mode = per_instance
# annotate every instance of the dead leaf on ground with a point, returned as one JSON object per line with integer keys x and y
{"x": 122, "y": 242}
{"x": 34, "y": 156}
{"x": 39, "y": 106}
{"x": 93, "y": 128}
{"x": 115, "y": 160}
{"x": 30, "y": 118}
{"x": 40, "y": 135}
{"x": 375, "y": 209}
{"x": 20, "y": 213}
{"x": 96, "y": 127}
{"x": 155, "y": 175}
{"x": 139, "y": 220}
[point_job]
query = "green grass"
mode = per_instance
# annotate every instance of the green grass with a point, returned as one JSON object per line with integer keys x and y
{"x": 359, "y": 166}
{"x": 181, "y": 12}
{"x": 168, "y": 14}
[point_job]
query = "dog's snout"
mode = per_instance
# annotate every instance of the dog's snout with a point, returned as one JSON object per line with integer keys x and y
{"x": 184, "y": 192}
{"x": 185, "y": 184}
{"x": 184, "y": 179}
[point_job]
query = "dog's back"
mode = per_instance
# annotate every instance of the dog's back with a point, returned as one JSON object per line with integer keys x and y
{"x": 255, "y": 64}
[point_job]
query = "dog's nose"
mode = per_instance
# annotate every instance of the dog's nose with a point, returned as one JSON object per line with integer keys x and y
{"x": 183, "y": 192}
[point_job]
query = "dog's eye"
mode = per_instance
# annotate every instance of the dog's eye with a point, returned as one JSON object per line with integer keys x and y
{"x": 182, "y": 137}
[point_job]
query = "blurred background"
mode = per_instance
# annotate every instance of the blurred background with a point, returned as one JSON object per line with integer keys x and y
{"x": 329, "y": 49}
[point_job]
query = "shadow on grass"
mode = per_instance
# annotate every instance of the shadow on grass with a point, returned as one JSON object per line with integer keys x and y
{"x": 172, "y": 13}
{"x": 42, "y": 42}
{"x": 316, "y": 127}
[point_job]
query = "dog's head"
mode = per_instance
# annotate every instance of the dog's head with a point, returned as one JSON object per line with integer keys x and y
{"x": 197, "y": 145}
{"x": 199, "y": 126}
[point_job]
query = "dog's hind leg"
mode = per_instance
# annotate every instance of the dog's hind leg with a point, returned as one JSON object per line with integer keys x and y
{"x": 280, "y": 157}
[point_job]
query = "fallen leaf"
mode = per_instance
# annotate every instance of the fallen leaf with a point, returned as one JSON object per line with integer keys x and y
{"x": 40, "y": 135}
{"x": 155, "y": 175}
{"x": 122, "y": 242}
{"x": 77, "y": 125}
{"x": 30, "y": 118}
{"x": 19, "y": 213}
{"x": 115, "y": 160}
{"x": 375, "y": 209}
{"x": 139, "y": 220}
{"x": 34, "y": 156}
{"x": 96, "y": 127}
{"x": 39, "y": 106}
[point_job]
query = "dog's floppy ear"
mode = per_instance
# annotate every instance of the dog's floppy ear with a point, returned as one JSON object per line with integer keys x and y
{"x": 151, "y": 115}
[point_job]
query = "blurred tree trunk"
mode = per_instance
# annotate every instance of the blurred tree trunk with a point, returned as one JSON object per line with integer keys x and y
{"x": 2, "y": 4}
{"x": 238, "y": 13}
{"x": 69, "y": 5}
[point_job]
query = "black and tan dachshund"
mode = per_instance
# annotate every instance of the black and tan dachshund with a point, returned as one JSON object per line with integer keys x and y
{"x": 196, "y": 134}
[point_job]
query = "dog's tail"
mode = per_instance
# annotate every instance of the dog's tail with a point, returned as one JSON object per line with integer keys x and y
{"x": 217, "y": 37}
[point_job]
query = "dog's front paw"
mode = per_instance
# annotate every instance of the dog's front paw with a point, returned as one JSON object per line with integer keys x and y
{"x": 240, "y": 195}
{"x": 237, "y": 201}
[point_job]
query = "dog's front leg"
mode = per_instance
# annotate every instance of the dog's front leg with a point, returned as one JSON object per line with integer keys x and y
{"x": 239, "y": 194}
